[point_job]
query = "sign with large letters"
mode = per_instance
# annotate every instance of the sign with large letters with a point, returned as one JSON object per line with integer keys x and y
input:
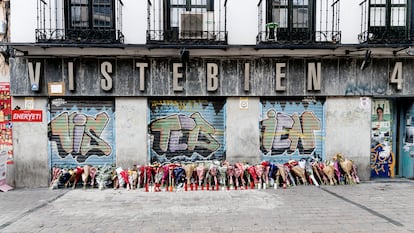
{"x": 213, "y": 77}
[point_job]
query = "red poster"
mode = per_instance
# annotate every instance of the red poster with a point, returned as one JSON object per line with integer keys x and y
{"x": 27, "y": 116}
{"x": 6, "y": 143}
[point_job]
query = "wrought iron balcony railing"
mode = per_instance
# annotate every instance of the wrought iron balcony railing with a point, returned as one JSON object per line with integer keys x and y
{"x": 79, "y": 21}
{"x": 187, "y": 22}
{"x": 384, "y": 22}
{"x": 295, "y": 22}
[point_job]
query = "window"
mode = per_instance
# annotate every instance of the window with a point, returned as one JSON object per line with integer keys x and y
{"x": 189, "y": 19}
{"x": 293, "y": 17}
{"x": 387, "y": 19}
{"x": 90, "y": 19}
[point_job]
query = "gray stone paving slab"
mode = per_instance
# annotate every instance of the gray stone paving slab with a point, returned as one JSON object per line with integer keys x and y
{"x": 376, "y": 206}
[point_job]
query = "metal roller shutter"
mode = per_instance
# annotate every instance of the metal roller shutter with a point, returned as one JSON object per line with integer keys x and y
{"x": 292, "y": 129}
{"x": 81, "y": 132}
{"x": 186, "y": 130}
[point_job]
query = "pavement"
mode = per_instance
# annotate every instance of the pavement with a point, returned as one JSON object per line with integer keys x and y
{"x": 372, "y": 206}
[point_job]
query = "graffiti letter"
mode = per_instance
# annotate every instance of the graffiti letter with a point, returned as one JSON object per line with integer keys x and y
{"x": 281, "y": 140}
{"x": 203, "y": 129}
{"x": 164, "y": 127}
{"x": 269, "y": 129}
{"x": 295, "y": 132}
{"x": 310, "y": 123}
{"x": 94, "y": 128}
{"x": 60, "y": 126}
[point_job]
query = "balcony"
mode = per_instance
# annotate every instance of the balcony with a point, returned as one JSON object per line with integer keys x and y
{"x": 186, "y": 22}
{"x": 385, "y": 22}
{"x": 287, "y": 22}
{"x": 79, "y": 21}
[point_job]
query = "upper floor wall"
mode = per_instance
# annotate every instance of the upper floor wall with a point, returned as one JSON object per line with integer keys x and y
{"x": 228, "y": 22}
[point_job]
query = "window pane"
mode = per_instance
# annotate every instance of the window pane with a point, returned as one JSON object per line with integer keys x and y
{"x": 300, "y": 17}
{"x": 377, "y": 1}
{"x": 75, "y": 2}
{"x": 102, "y": 16}
{"x": 398, "y": 16}
{"x": 280, "y": 2}
{"x": 198, "y": 2}
{"x": 102, "y": 1}
{"x": 175, "y": 16}
{"x": 300, "y": 2}
{"x": 377, "y": 16}
{"x": 79, "y": 16}
{"x": 280, "y": 16}
{"x": 180, "y": 2}
{"x": 398, "y": 1}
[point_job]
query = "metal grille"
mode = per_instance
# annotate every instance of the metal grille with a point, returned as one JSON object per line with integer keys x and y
{"x": 187, "y": 22}
{"x": 187, "y": 130}
{"x": 299, "y": 21}
{"x": 292, "y": 129}
{"x": 79, "y": 21}
{"x": 81, "y": 132}
{"x": 384, "y": 21}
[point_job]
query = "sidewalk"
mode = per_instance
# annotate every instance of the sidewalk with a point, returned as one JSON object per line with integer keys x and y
{"x": 374, "y": 206}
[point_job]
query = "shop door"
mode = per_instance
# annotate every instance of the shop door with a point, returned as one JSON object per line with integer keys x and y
{"x": 407, "y": 142}
{"x": 81, "y": 132}
{"x": 382, "y": 160}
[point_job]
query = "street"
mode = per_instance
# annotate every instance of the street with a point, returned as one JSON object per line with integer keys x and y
{"x": 373, "y": 206}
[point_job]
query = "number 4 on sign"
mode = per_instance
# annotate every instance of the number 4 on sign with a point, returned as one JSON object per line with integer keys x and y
{"x": 396, "y": 76}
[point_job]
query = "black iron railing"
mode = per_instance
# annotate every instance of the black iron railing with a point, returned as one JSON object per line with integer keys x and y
{"x": 384, "y": 23}
{"x": 54, "y": 26}
{"x": 201, "y": 24}
{"x": 323, "y": 27}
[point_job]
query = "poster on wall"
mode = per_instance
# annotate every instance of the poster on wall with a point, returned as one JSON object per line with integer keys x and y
{"x": 3, "y": 158}
{"x": 6, "y": 143}
{"x": 382, "y": 157}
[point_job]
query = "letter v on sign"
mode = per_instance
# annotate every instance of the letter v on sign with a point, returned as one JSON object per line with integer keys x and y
{"x": 34, "y": 75}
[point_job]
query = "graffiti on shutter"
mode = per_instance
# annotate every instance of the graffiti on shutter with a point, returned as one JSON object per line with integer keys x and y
{"x": 186, "y": 130}
{"x": 81, "y": 132}
{"x": 291, "y": 130}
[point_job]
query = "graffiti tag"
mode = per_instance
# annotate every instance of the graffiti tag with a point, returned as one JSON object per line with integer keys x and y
{"x": 286, "y": 133}
{"x": 182, "y": 135}
{"x": 80, "y": 135}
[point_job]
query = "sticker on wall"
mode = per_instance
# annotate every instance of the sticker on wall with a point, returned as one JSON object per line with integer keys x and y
{"x": 6, "y": 143}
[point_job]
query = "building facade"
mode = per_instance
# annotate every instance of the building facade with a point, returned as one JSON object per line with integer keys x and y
{"x": 111, "y": 82}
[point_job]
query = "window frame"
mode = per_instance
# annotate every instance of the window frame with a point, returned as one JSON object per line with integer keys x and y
{"x": 188, "y": 6}
{"x": 91, "y": 6}
{"x": 288, "y": 30}
{"x": 387, "y": 30}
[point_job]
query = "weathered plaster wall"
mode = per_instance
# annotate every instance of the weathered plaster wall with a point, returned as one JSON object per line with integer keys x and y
{"x": 131, "y": 131}
{"x": 30, "y": 149}
{"x": 242, "y": 130}
{"x": 348, "y": 130}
